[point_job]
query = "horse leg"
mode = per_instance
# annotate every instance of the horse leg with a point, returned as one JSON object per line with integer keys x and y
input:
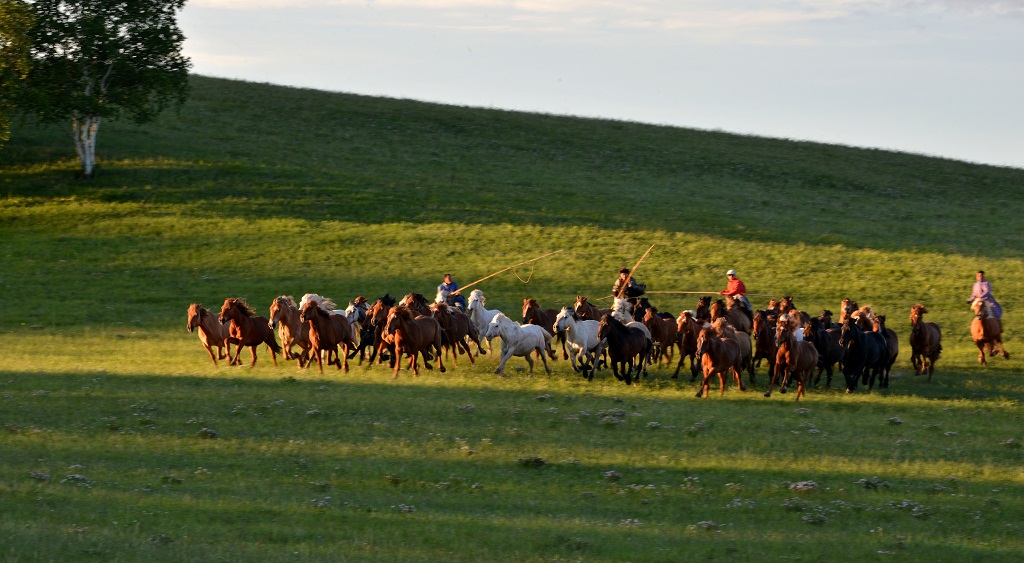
{"x": 739, "y": 378}
{"x": 721, "y": 382}
{"x": 252, "y": 350}
{"x": 344, "y": 356}
{"x": 529, "y": 360}
{"x": 506, "y": 353}
{"x": 396, "y": 362}
{"x": 210, "y": 350}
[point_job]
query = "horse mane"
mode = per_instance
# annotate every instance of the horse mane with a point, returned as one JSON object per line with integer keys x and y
{"x": 477, "y": 295}
{"x": 985, "y": 306}
{"x": 322, "y": 302}
{"x": 387, "y": 300}
{"x": 243, "y": 306}
{"x": 530, "y": 302}
{"x": 441, "y": 297}
{"x": 722, "y": 327}
{"x": 402, "y": 311}
{"x": 289, "y": 300}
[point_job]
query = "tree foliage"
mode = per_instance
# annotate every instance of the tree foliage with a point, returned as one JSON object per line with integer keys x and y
{"x": 15, "y": 21}
{"x": 104, "y": 59}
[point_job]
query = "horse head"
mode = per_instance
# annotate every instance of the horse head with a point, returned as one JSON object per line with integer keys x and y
{"x": 397, "y": 316}
{"x": 309, "y": 311}
{"x": 234, "y": 306}
{"x": 280, "y": 307}
{"x": 195, "y": 314}
{"x": 982, "y": 308}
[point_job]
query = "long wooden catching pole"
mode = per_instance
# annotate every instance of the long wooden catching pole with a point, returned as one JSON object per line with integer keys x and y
{"x": 629, "y": 276}
{"x": 707, "y": 293}
{"x": 459, "y": 291}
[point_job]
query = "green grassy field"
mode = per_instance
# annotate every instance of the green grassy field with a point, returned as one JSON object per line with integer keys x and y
{"x": 122, "y": 441}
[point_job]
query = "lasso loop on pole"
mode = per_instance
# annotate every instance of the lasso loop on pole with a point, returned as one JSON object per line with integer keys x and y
{"x": 528, "y": 278}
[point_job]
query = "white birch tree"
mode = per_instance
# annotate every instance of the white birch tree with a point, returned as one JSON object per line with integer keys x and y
{"x": 104, "y": 59}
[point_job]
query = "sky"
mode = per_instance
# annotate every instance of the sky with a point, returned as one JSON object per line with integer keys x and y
{"x": 940, "y": 77}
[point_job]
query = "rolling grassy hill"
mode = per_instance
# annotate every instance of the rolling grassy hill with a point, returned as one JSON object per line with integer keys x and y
{"x": 256, "y": 190}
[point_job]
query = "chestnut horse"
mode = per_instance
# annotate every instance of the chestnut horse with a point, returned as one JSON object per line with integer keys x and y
{"x": 664, "y": 333}
{"x": 794, "y": 358}
{"x": 417, "y": 302}
{"x": 212, "y": 333}
{"x": 247, "y": 330}
{"x": 628, "y": 348}
{"x": 534, "y": 315}
{"x": 285, "y": 315}
{"x": 587, "y": 311}
{"x": 987, "y": 331}
{"x": 414, "y": 335}
{"x": 734, "y": 316}
{"x": 925, "y": 342}
{"x": 722, "y": 328}
{"x": 846, "y": 308}
{"x": 327, "y": 331}
{"x": 687, "y": 330}
{"x": 717, "y": 355}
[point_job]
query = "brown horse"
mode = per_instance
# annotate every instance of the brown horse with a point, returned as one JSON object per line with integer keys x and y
{"x": 722, "y": 328}
{"x": 284, "y": 313}
{"x": 417, "y": 302}
{"x": 826, "y": 342}
{"x": 794, "y": 358}
{"x": 987, "y": 331}
{"x": 703, "y": 310}
{"x": 534, "y": 315}
{"x": 628, "y": 348}
{"x": 925, "y": 342}
{"x": 846, "y": 308}
{"x": 664, "y": 333}
{"x": 587, "y": 311}
{"x": 688, "y": 329}
{"x": 893, "y": 343}
{"x": 377, "y": 316}
{"x": 765, "y": 346}
{"x": 456, "y": 326}
{"x": 212, "y": 333}
{"x": 247, "y": 330}
{"x": 717, "y": 355}
{"x": 327, "y": 331}
{"x": 734, "y": 316}
{"x": 414, "y": 335}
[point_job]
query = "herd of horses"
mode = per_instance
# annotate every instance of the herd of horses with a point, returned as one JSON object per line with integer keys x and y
{"x": 718, "y": 337}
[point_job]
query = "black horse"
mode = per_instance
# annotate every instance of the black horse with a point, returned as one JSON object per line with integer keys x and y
{"x": 864, "y": 355}
{"x": 826, "y": 342}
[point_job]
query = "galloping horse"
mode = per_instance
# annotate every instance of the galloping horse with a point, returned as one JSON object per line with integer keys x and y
{"x": 414, "y": 335}
{"x": 846, "y": 308}
{"x": 826, "y": 342}
{"x": 664, "y": 333}
{"x": 583, "y": 340}
{"x": 211, "y": 333}
{"x": 794, "y": 358}
{"x": 456, "y": 327}
{"x": 587, "y": 311}
{"x": 480, "y": 316}
{"x": 717, "y": 355}
{"x": 284, "y": 314}
{"x": 893, "y": 344}
{"x": 688, "y": 329}
{"x": 702, "y": 313}
{"x": 987, "y": 331}
{"x": 734, "y": 316}
{"x": 722, "y": 328}
{"x": 417, "y": 302}
{"x": 625, "y": 345}
{"x": 864, "y": 354}
{"x": 519, "y": 340}
{"x": 765, "y": 345}
{"x": 327, "y": 331}
{"x": 247, "y": 330}
{"x": 925, "y": 342}
{"x": 534, "y": 315}
{"x": 376, "y": 317}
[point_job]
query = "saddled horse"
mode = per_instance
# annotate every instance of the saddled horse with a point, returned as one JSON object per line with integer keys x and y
{"x": 826, "y": 342}
{"x": 247, "y": 330}
{"x": 892, "y": 343}
{"x": 327, "y": 331}
{"x": 925, "y": 342}
{"x": 583, "y": 340}
{"x": 519, "y": 340}
{"x": 736, "y": 316}
{"x": 687, "y": 330}
{"x": 456, "y": 327}
{"x": 284, "y": 315}
{"x": 765, "y": 345}
{"x": 414, "y": 335}
{"x": 533, "y": 314}
{"x": 718, "y": 355}
{"x": 588, "y": 311}
{"x": 794, "y": 358}
{"x": 628, "y": 348}
{"x": 664, "y": 333}
{"x": 212, "y": 333}
{"x": 986, "y": 331}
{"x": 864, "y": 354}
{"x": 480, "y": 315}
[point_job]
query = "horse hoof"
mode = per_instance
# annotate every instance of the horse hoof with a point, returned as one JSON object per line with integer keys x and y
{"x": 767, "y": 394}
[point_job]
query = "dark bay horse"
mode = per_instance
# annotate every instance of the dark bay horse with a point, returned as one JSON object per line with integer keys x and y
{"x": 826, "y": 342}
{"x": 703, "y": 310}
{"x": 212, "y": 333}
{"x": 327, "y": 332}
{"x": 533, "y": 314}
{"x": 736, "y": 316}
{"x": 382, "y": 344}
{"x": 717, "y": 356}
{"x": 925, "y": 342}
{"x": 765, "y": 345}
{"x": 417, "y": 302}
{"x": 284, "y": 314}
{"x": 864, "y": 354}
{"x": 587, "y": 311}
{"x": 892, "y": 343}
{"x": 986, "y": 331}
{"x": 688, "y": 329}
{"x": 456, "y": 327}
{"x": 794, "y": 358}
{"x": 247, "y": 330}
{"x": 414, "y": 335}
{"x": 628, "y": 348}
{"x": 664, "y": 333}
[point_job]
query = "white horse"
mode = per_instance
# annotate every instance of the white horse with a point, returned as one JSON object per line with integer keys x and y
{"x": 480, "y": 316}
{"x": 583, "y": 340}
{"x": 622, "y": 310}
{"x": 519, "y": 340}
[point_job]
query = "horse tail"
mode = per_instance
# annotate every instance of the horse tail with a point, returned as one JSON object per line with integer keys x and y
{"x": 272, "y": 343}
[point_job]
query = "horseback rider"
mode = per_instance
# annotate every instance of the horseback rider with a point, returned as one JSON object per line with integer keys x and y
{"x": 982, "y": 289}
{"x": 447, "y": 292}
{"x": 737, "y": 291}
{"x": 627, "y": 286}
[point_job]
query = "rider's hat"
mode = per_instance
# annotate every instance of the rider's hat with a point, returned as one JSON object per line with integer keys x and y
{"x": 731, "y": 273}
{"x": 624, "y": 270}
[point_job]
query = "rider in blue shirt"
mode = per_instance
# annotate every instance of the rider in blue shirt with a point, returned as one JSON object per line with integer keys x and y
{"x": 449, "y": 287}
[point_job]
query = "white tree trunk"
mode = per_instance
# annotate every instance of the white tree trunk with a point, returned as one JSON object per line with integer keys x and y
{"x": 83, "y": 130}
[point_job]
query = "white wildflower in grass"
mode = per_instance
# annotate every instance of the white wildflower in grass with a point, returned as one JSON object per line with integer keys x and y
{"x": 951, "y": 433}
{"x": 543, "y": 397}
{"x": 314, "y": 412}
{"x": 631, "y": 523}
{"x": 468, "y": 407}
{"x": 321, "y": 502}
{"x": 740, "y": 503}
{"x": 77, "y": 480}
{"x": 404, "y": 508}
{"x": 207, "y": 433}
{"x": 1010, "y": 443}
{"x": 612, "y": 476}
{"x": 708, "y": 525}
{"x": 802, "y": 411}
{"x": 654, "y": 425}
{"x": 803, "y": 486}
{"x": 895, "y": 420}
